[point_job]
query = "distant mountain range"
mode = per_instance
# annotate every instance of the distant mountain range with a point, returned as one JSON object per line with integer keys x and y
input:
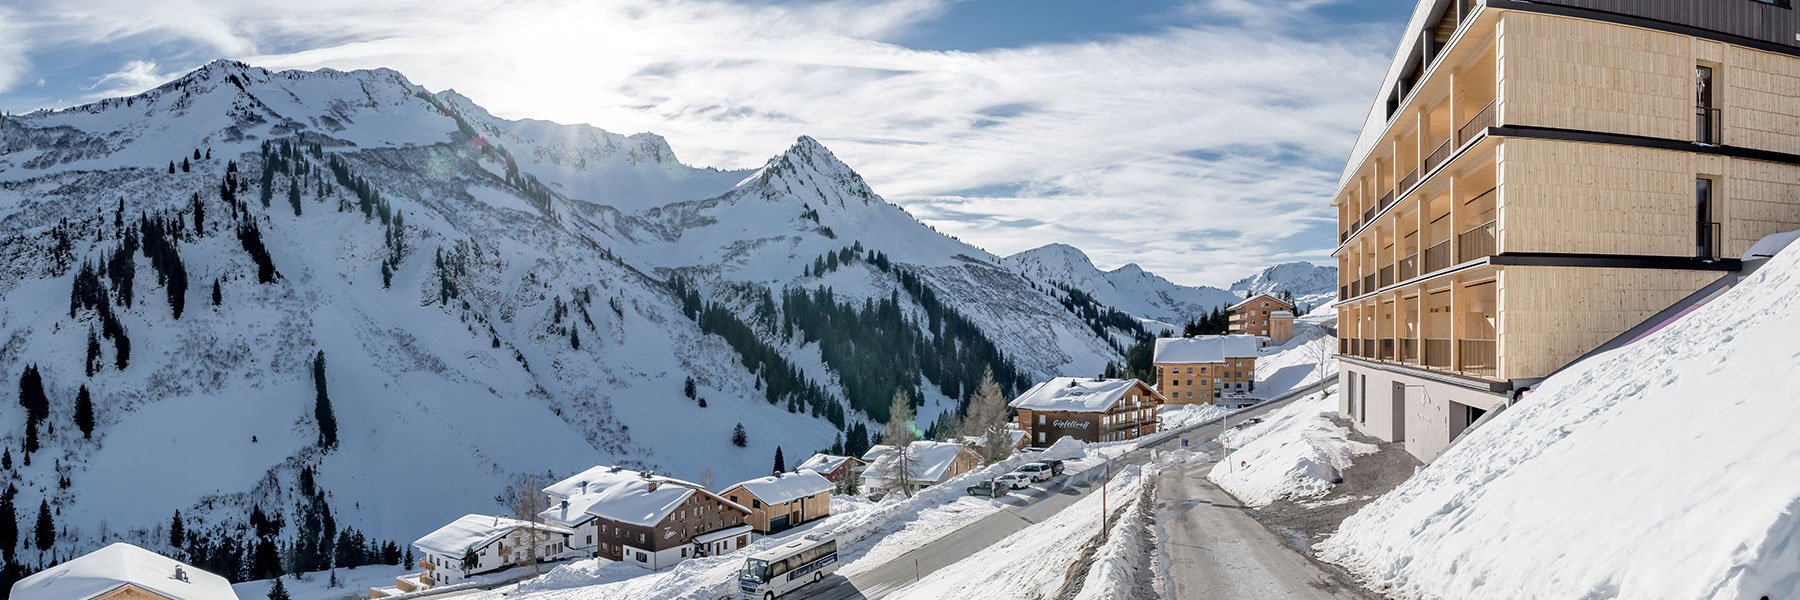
{"x": 491, "y": 298}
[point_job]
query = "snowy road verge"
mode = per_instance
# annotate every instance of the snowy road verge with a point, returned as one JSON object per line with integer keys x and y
{"x": 1121, "y": 566}
{"x": 1295, "y": 452}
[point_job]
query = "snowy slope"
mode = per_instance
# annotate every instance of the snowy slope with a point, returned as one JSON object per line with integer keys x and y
{"x": 441, "y": 401}
{"x": 1664, "y": 469}
{"x": 1313, "y": 286}
{"x": 1128, "y": 288}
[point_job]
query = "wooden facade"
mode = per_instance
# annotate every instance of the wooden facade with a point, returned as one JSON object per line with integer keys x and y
{"x": 1550, "y": 175}
{"x": 1137, "y": 413}
{"x": 700, "y": 514}
{"x": 764, "y": 515}
{"x": 1255, "y": 315}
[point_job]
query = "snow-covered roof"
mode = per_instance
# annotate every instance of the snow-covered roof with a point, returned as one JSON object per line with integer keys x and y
{"x": 875, "y": 452}
{"x": 708, "y": 538}
{"x": 786, "y": 487}
{"x": 475, "y": 531}
{"x": 929, "y": 461}
{"x": 1259, "y": 296}
{"x": 623, "y": 495}
{"x": 823, "y": 463}
{"x": 1075, "y": 394}
{"x": 119, "y": 565}
{"x": 1205, "y": 348}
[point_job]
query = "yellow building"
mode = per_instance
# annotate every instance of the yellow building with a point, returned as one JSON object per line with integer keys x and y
{"x": 1204, "y": 369}
{"x": 1537, "y": 178}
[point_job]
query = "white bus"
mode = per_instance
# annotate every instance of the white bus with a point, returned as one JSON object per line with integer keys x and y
{"x": 784, "y": 568}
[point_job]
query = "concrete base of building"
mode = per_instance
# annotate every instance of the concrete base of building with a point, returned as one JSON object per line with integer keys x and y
{"x": 1422, "y": 409}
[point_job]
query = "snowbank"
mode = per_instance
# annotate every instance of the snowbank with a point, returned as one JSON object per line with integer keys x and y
{"x": 1309, "y": 356}
{"x": 1295, "y": 452}
{"x": 1126, "y": 553}
{"x": 1031, "y": 563}
{"x": 1665, "y": 469}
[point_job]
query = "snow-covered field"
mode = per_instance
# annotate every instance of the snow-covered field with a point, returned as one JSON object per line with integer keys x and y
{"x": 1309, "y": 356}
{"x": 1669, "y": 468}
{"x": 1295, "y": 452}
{"x": 1036, "y": 561}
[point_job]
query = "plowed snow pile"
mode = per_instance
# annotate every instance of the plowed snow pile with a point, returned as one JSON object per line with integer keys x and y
{"x": 1665, "y": 469}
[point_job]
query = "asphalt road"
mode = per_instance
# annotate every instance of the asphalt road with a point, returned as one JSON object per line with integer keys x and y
{"x": 1028, "y": 509}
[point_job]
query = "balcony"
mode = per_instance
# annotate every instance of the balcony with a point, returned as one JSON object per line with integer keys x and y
{"x": 1437, "y": 353}
{"x": 1437, "y": 257}
{"x": 1708, "y": 241}
{"x": 1477, "y": 357}
{"x": 1706, "y": 126}
{"x": 1438, "y": 156}
{"x": 1368, "y": 283}
{"x": 1387, "y": 276}
{"x": 1409, "y": 266}
{"x": 1476, "y": 124}
{"x": 1368, "y": 349}
{"x": 1387, "y": 350}
{"x": 1385, "y": 201}
{"x": 1343, "y": 292}
{"x": 1409, "y": 351}
{"x": 1406, "y": 182}
{"x": 1476, "y": 242}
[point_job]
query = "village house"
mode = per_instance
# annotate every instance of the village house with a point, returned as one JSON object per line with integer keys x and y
{"x": 1087, "y": 409}
{"x": 122, "y": 571}
{"x": 495, "y": 542}
{"x": 1203, "y": 369}
{"x": 832, "y": 467}
{"x": 783, "y": 500}
{"x": 927, "y": 464}
{"x": 646, "y": 519}
{"x": 1262, "y": 315}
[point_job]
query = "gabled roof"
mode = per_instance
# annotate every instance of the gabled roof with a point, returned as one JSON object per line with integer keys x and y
{"x": 475, "y": 531}
{"x": 119, "y": 565}
{"x": 1075, "y": 394}
{"x": 1259, "y": 296}
{"x": 825, "y": 463}
{"x": 625, "y": 496}
{"x": 786, "y": 487}
{"x": 1204, "y": 349}
{"x": 928, "y": 461}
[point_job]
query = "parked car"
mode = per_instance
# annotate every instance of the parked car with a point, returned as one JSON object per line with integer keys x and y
{"x": 1056, "y": 465}
{"x": 991, "y": 489}
{"x": 1014, "y": 481}
{"x": 1037, "y": 471}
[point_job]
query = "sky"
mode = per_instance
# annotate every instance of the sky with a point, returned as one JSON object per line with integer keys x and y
{"x": 1200, "y": 139}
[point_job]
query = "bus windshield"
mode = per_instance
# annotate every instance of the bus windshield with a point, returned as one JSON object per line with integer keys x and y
{"x": 754, "y": 570}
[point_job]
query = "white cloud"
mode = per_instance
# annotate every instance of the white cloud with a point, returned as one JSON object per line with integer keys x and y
{"x": 1199, "y": 151}
{"x": 13, "y": 63}
{"x": 132, "y": 78}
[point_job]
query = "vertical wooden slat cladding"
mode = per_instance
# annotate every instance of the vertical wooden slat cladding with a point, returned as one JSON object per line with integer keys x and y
{"x": 1746, "y": 18}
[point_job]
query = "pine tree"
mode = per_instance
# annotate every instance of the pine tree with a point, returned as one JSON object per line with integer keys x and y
{"x": 184, "y": 164}
{"x": 470, "y": 561}
{"x": 294, "y": 195}
{"x": 171, "y": 167}
{"x": 46, "y": 527}
{"x": 687, "y": 388}
{"x": 322, "y": 405}
{"x": 9, "y": 522}
{"x": 278, "y": 591}
{"x": 84, "y": 412}
{"x": 780, "y": 463}
{"x": 217, "y": 296}
{"x": 177, "y": 531}
{"x": 574, "y": 337}
{"x": 738, "y": 437}
{"x": 93, "y": 353}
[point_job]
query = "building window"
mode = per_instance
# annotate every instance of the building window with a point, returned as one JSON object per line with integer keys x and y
{"x": 1706, "y": 239}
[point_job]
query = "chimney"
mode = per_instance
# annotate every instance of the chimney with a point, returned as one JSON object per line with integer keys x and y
{"x": 651, "y": 487}
{"x": 565, "y": 506}
{"x": 584, "y": 487}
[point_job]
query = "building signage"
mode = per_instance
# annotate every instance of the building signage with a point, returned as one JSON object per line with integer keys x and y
{"x": 1070, "y": 424}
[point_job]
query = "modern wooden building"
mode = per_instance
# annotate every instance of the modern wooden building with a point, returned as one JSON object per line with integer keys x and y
{"x": 1262, "y": 315}
{"x": 1087, "y": 409}
{"x": 1203, "y": 369}
{"x": 1536, "y": 178}
{"x": 783, "y": 500}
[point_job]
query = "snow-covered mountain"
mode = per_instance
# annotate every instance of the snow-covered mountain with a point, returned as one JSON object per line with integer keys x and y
{"x": 1313, "y": 286}
{"x": 1149, "y": 296}
{"x": 491, "y": 298}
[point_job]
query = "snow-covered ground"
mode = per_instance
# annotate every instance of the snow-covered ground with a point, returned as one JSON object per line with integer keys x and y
{"x": 1036, "y": 561}
{"x": 1304, "y": 359}
{"x": 1114, "y": 569}
{"x": 1295, "y": 452}
{"x": 1669, "y": 468}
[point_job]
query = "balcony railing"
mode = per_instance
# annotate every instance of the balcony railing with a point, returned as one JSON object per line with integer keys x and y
{"x": 1344, "y": 236}
{"x": 1437, "y": 156}
{"x": 1706, "y": 125}
{"x": 1477, "y": 357}
{"x": 1437, "y": 257}
{"x": 1385, "y": 201}
{"x": 1409, "y": 266}
{"x": 1476, "y": 243}
{"x": 1407, "y": 180}
{"x": 1476, "y": 124}
{"x": 1409, "y": 351}
{"x": 1708, "y": 240}
{"x": 1368, "y": 349}
{"x": 1387, "y": 276}
{"x": 1343, "y": 345}
{"x": 1387, "y": 350}
{"x": 1369, "y": 215}
{"x": 1368, "y": 283}
{"x": 1344, "y": 292}
{"x": 1437, "y": 353}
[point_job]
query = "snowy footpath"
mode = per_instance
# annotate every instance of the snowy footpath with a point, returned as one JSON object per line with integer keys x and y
{"x": 1668, "y": 468}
